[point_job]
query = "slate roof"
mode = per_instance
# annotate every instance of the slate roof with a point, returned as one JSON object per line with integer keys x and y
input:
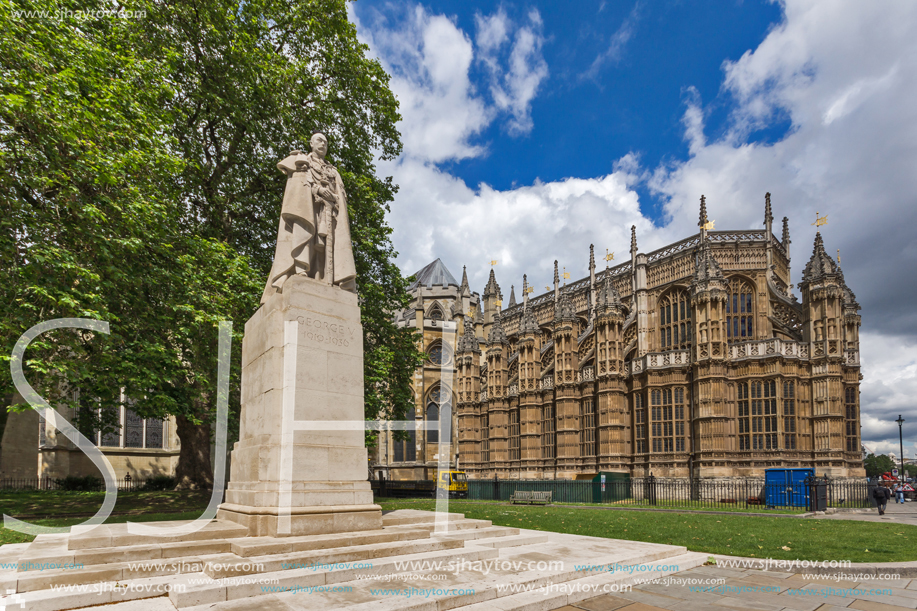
{"x": 434, "y": 274}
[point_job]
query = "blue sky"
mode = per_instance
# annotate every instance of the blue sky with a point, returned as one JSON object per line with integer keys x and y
{"x": 532, "y": 130}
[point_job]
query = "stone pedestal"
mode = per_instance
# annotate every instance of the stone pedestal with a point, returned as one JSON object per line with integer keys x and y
{"x": 302, "y": 360}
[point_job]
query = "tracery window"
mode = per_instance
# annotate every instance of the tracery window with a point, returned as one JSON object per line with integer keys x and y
{"x": 406, "y": 451}
{"x": 514, "y": 434}
{"x": 674, "y": 320}
{"x": 667, "y": 419}
{"x": 789, "y": 415}
{"x": 740, "y": 312}
{"x": 744, "y": 419}
{"x": 550, "y": 439}
{"x": 485, "y": 438}
{"x": 850, "y": 403}
{"x": 764, "y": 415}
{"x": 432, "y": 416}
{"x": 438, "y": 354}
{"x": 587, "y": 434}
{"x": 639, "y": 423}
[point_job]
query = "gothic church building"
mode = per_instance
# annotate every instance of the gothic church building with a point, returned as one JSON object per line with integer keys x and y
{"x": 696, "y": 360}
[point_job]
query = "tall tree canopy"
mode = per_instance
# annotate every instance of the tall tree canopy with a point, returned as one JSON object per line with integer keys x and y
{"x": 139, "y": 173}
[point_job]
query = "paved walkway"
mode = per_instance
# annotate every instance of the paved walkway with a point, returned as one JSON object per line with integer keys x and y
{"x": 895, "y": 512}
{"x": 753, "y": 589}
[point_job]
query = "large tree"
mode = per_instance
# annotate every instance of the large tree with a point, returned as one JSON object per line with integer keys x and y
{"x": 254, "y": 80}
{"x": 89, "y": 228}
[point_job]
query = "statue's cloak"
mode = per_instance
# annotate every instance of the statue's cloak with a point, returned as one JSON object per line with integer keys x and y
{"x": 303, "y": 230}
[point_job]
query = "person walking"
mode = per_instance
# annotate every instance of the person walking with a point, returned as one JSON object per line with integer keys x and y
{"x": 881, "y": 494}
{"x": 899, "y": 494}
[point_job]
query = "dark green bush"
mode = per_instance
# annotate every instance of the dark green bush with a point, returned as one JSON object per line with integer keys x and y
{"x": 159, "y": 482}
{"x": 79, "y": 484}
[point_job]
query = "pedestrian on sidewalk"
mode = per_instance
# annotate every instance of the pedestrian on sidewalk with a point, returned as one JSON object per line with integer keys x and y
{"x": 899, "y": 494}
{"x": 881, "y": 494}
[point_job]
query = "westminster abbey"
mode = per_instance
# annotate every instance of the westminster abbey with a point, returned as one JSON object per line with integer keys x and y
{"x": 694, "y": 360}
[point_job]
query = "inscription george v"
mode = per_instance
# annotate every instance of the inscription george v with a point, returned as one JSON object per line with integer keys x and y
{"x": 313, "y": 238}
{"x": 325, "y": 332}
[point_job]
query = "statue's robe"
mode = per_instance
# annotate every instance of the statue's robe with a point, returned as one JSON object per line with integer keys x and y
{"x": 304, "y": 227}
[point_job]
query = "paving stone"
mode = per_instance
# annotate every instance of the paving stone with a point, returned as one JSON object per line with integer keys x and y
{"x": 868, "y": 605}
{"x": 641, "y": 607}
{"x": 606, "y": 602}
{"x": 736, "y": 603}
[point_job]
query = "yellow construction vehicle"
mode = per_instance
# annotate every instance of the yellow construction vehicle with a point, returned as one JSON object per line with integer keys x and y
{"x": 453, "y": 482}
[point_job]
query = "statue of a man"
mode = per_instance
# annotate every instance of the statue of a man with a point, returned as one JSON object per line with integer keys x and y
{"x": 314, "y": 234}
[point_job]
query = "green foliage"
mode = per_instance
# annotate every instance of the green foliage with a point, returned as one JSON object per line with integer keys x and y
{"x": 75, "y": 483}
{"x": 159, "y": 482}
{"x": 877, "y": 465}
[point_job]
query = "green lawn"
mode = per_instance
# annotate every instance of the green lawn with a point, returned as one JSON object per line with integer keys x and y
{"x": 738, "y": 535}
{"x": 734, "y": 535}
{"x": 62, "y": 508}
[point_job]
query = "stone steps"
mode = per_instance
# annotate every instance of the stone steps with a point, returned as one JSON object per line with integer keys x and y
{"x": 447, "y": 527}
{"x": 488, "y": 593}
{"x": 227, "y": 565}
{"x": 479, "y": 533}
{"x": 513, "y": 541}
{"x": 262, "y": 546}
{"x": 415, "y": 517}
{"x": 225, "y": 590}
{"x": 117, "y": 535}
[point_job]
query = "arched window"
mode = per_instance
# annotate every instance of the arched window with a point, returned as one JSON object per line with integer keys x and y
{"x": 432, "y": 416}
{"x": 437, "y": 398}
{"x": 406, "y": 451}
{"x": 435, "y": 312}
{"x": 740, "y": 311}
{"x": 674, "y": 320}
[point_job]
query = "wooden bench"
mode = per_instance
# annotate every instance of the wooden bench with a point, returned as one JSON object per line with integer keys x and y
{"x": 753, "y": 500}
{"x": 531, "y": 496}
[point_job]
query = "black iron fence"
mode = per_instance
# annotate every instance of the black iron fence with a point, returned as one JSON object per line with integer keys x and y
{"x": 653, "y": 492}
{"x": 51, "y": 483}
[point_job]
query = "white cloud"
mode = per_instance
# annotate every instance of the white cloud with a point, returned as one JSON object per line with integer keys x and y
{"x": 616, "y": 43}
{"x": 429, "y": 58}
{"x": 514, "y": 88}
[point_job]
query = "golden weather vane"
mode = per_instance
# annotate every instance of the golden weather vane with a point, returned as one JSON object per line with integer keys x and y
{"x": 530, "y": 289}
{"x": 609, "y": 257}
{"x": 820, "y": 220}
{"x": 498, "y": 303}
{"x": 493, "y": 262}
{"x": 709, "y": 225}
{"x": 566, "y": 273}
{"x": 547, "y": 288}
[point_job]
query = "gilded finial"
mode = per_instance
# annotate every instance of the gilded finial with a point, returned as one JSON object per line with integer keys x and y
{"x": 820, "y": 220}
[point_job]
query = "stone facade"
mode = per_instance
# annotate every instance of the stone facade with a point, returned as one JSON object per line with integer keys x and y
{"x": 693, "y": 360}
{"x": 31, "y": 449}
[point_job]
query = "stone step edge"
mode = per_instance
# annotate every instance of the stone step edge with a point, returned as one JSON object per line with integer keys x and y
{"x": 476, "y": 534}
{"x": 222, "y": 592}
{"x": 325, "y": 556}
{"x": 512, "y": 541}
{"x": 92, "y": 556}
{"x": 303, "y": 544}
{"x": 419, "y": 518}
{"x": 452, "y": 526}
{"x": 86, "y": 541}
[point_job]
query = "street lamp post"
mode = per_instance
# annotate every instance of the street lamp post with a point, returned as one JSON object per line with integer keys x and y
{"x": 900, "y": 421}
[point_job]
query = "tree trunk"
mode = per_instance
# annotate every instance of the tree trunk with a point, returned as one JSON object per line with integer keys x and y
{"x": 193, "y": 471}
